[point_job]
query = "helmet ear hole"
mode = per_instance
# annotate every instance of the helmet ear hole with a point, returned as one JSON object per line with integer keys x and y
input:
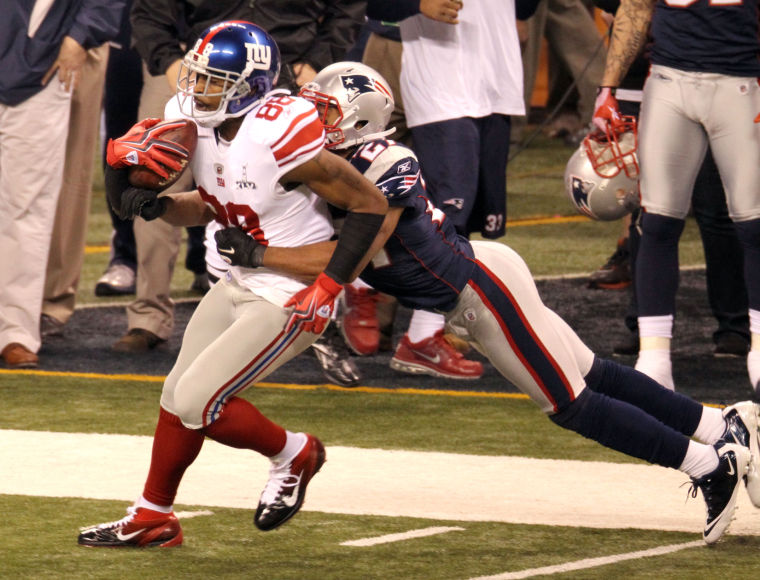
{"x": 359, "y": 125}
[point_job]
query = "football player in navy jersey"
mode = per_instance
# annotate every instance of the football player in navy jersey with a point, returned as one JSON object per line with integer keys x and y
{"x": 702, "y": 90}
{"x": 489, "y": 298}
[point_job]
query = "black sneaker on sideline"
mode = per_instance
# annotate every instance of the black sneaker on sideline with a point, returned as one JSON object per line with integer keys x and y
{"x": 616, "y": 272}
{"x": 731, "y": 344}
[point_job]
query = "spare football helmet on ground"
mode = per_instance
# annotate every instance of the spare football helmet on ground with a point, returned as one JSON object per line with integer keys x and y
{"x": 362, "y": 98}
{"x": 601, "y": 177}
{"x": 240, "y": 63}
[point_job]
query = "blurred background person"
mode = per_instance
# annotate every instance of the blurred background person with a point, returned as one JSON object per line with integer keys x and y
{"x": 43, "y": 47}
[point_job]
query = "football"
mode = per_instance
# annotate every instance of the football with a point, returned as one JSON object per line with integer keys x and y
{"x": 145, "y": 178}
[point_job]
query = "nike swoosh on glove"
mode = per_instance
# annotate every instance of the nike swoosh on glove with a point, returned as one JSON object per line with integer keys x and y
{"x": 239, "y": 248}
{"x": 142, "y": 145}
{"x": 313, "y": 305}
{"x": 606, "y": 109}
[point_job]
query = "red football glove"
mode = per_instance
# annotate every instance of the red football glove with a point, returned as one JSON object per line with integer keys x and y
{"x": 606, "y": 110}
{"x": 142, "y": 146}
{"x": 313, "y": 305}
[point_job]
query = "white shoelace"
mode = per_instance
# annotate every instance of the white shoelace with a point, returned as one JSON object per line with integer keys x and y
{"x": 279, "y": 477}
{"x": 131, "y": 511}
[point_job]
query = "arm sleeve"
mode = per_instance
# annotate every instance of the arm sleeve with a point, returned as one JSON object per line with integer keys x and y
{"x": 155, "y": 34}
{"x": 97, "y": 22}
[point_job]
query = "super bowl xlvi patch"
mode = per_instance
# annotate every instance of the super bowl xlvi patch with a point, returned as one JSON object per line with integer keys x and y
{"x": 581, "y": 190}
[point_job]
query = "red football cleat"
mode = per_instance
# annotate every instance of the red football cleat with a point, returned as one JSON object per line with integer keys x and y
{"x": 359, "y": 325}
{"x": 139, "y": 529}
{"x": 434, "y": 356}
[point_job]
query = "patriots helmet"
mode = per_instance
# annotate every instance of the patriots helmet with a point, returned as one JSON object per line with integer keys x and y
{"x": 238, "y": 61}
{"x": 614, "y": 150}
{"x": 362, "y": 98}
{"x": 598, "y": 197}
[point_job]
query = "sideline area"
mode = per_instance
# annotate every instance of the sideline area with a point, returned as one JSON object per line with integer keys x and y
{"x": 441, "y": 486}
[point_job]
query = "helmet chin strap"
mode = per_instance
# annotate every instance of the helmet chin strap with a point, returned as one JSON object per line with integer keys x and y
{"x": 372, "y": 137}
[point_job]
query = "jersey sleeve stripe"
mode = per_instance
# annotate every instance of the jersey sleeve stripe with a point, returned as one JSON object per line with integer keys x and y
{"x": 308, "y": 117}
{"x": 303, "y": 152}
{"x": 303, "y": 138}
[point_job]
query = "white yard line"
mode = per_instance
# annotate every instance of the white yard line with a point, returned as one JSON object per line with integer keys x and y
{"x": 441, "y": 486}
{"x": 401, "y": 537}
{"x": 195, "y": 514}
{"x": 592, "y": 562}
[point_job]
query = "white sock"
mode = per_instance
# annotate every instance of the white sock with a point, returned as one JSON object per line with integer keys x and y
{"x": 293, "y": 444}
{"x": 423, "y": 325}
{"x": 711, "y": 426}
{"x": 144, "y": 503}
{"x": 700, "y": 460}
{"x": 656, "y": 365}
{"x": 656, "y": 326}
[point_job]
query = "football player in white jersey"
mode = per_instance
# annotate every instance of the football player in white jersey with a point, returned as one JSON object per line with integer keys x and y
{"x": 262, "y": 173}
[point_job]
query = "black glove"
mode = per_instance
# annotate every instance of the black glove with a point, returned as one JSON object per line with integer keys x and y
{"x": 238, "y": 248}
{"x": 141, "y": 202}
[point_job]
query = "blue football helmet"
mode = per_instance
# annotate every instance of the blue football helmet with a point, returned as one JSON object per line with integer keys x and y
{"x": 238, "y": 61}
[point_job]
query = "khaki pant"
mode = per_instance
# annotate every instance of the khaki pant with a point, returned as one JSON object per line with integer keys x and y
{"x": 32, "y": 151}
{"x": 158, "y": 243}
{"x": 67, "y": 245}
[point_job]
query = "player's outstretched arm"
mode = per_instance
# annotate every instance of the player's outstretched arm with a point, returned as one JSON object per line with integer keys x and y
{"x": 337, "y": 181}
{"x": 334, "y": 179}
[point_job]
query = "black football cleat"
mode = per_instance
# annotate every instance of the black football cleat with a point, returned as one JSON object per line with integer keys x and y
{"x": 720, "y": 488}
{"x": 285, "y": 491}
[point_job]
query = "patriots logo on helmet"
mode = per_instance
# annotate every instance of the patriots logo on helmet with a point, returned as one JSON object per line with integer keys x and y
{"x": 356, "y": 85}
{"x": 581, "y": 190}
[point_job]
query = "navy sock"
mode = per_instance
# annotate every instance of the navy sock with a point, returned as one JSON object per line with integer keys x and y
{"x": 623, "y": 427}
{"x": 626, "y": 384}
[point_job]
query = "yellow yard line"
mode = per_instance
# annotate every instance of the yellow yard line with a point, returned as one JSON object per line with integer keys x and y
{"x": 285, "y": 386}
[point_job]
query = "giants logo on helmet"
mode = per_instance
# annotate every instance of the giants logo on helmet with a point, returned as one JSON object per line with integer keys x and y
{"x": 580, "y": 191}
{"x": 356, "y": 85}
{"x": 260, "y": 55}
